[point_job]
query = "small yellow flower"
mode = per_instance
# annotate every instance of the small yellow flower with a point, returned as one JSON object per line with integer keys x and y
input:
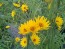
{"x": 59, "y": 22}
{"x": 16, "y": 4}
{"x": 33, "y": 26}
{"x": 42, "y": 22}
{"x": 24, "y": 7}
{"x": 23, "y": 29}
{"x": 23, "y": 42}
{"x": 17, "y": 39}
{"x": 13, "y": 13}
{"x": 7, "y": 27}
{"x": 1, "y": 4}
{"x": 35, "y": 39}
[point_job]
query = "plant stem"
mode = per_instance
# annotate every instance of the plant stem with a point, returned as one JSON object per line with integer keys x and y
{"x": 27, "y": 41}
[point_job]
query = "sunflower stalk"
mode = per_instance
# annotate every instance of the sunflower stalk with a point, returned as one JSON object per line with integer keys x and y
{"x": 28, "y": 38}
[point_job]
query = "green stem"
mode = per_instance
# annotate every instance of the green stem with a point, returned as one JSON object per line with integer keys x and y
{"x": 28, "y": 41}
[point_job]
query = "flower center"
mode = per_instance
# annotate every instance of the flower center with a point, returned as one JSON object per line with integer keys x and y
{"x": 24, "y": 7}
{"x": 24, "y": 41}
{"x": 57, "y": 21}
{"x": 32, "y": 28}
{"x": 34, "y": 40}
{"x": 40, "y": 24}
{"x": 25, "y": 30}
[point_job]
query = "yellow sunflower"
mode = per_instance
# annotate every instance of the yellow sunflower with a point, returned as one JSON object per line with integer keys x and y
{"x": 16, "y": 4}
{"x": 42, "y": 23}
{"x": 35, "y": 39}
{"x": 23, "y": 29}
{"x": 17, "y": 39}
{"x": 32, "y": 26}
{"x": 23, "y": 42}
{"x": 24, "y": 7}
{"x": 59, "y": 22}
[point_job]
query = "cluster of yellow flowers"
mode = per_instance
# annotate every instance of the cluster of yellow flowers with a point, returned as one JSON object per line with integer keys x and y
{"x": 23, "y": 7}
{"x": 39, "y": 23}
{"x": 33, "y": 26}
{"x": 24, "y": 42}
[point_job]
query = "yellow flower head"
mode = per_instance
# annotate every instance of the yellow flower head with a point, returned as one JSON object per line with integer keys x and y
{"x": 59, "y": 21}
{"x": 42, "y": 23}
{"x": 32, "y": 26}
{"x": 1, "y": 4}
{"x": 7, "y": 27}
{"x": 17, "y": 39}
{"x": 24, "y": 7}
{"x": 35, "y": 39}
{"x": 13, "y": 13}
{"x": 23, "y": 42}
{"x": 23, "y": 29}
{"x": 16, "y": 4}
